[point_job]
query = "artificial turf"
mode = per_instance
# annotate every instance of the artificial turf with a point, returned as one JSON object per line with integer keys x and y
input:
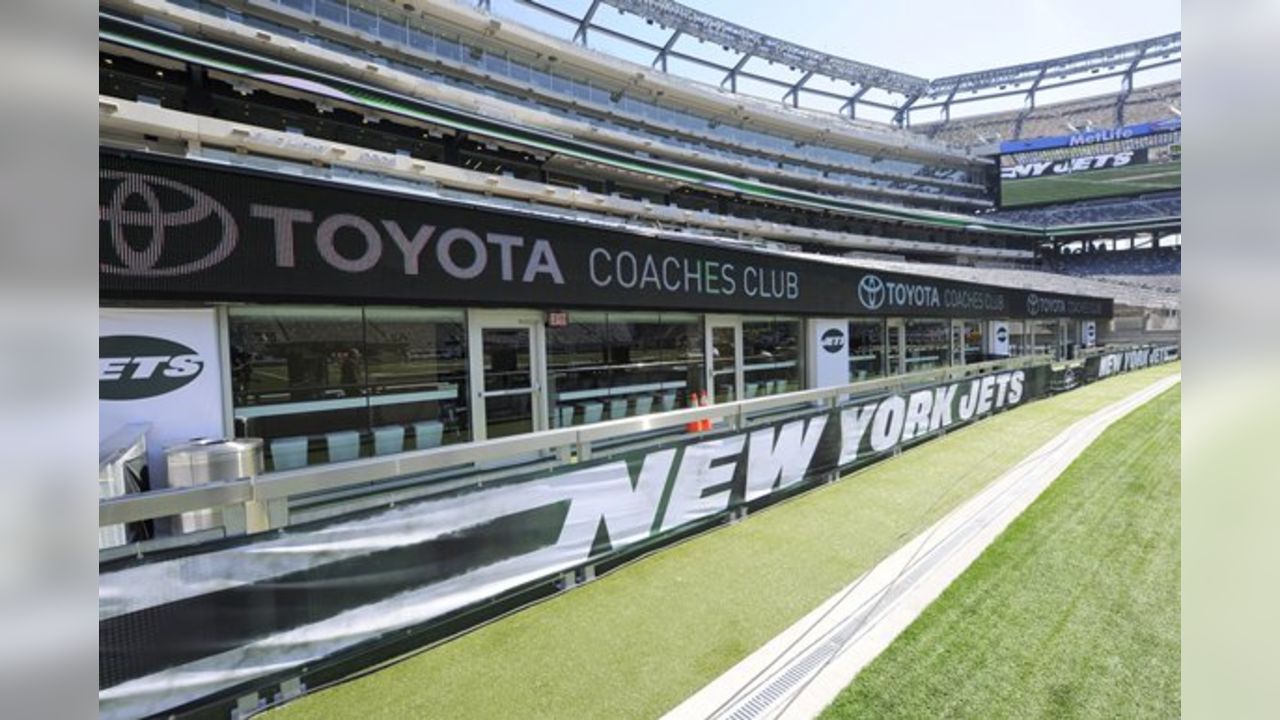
{"x": 1072, "y": 613}
{"x": 639, "y": 641}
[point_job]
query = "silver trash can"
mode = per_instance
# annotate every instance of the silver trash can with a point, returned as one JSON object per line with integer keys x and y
{"x": 210, "y": 460}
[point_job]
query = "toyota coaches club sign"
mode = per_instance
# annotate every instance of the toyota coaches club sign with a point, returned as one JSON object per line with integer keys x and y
{"x": 185, "y": 230}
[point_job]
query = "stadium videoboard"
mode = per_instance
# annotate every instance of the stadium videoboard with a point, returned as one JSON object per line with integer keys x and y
{"x": 1132, "y": 160}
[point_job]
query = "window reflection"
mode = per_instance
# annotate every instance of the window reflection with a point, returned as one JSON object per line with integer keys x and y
{"x": 611, "y": 365}
{"x": 770, "y": 356}
{"x": 331, "y": 384}
{"x": 866, "y": 350}
{"x": 928, "y": 344}
{"x": 973, "y": 343}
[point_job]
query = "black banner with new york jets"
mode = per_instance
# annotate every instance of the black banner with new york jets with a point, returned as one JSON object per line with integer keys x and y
{"x": 1105, "y": 365}
{"x": 177, "y": 630}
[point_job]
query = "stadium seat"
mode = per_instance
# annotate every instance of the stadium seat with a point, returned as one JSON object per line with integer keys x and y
{"x": 617, "y": 408}
{"x": 668, "y": 401}
{"x": 592, "y": 412}
{"x": 644, "y": 405}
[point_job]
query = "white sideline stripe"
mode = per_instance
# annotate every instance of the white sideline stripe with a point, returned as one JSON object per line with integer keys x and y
{"x": 800, "y": 671}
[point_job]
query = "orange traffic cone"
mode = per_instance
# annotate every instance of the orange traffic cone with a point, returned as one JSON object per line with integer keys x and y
{"x": 693, "y": 426}
{"x": 706, "y": 402}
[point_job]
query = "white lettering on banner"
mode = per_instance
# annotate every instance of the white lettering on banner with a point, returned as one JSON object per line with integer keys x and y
{"x": 459, "y": 252}
{"x": 411, "y": 249}
{"x": 702, "y": 487}
{"x": 773, "y": 464}
{"x": 886, "y": 428}
{"x": 943, "y": 397}
{"x": 918, "y": 407}
{"x": 1066, "y": 167}
{"x": 629, "y": 270}
{"x": 853, "y": 425}
{"x": 1114, "y": 363}
{"x": 895, "y": 420}
{"x": 154, "y": 366}
{"x": 606, "y": 494}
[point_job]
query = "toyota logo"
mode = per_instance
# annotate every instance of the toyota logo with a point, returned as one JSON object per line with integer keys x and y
{"x": 140, "y": 210}
{"x": 1033, "y": 304}
{"x": 871, "y": 292}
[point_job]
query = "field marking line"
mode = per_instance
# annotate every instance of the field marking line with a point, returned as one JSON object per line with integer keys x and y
{"x": 802, "y": 669}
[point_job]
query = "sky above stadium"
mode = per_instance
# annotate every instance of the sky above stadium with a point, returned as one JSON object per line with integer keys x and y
{"x": 933, "y": 38}
{"x": 926, "y": 38}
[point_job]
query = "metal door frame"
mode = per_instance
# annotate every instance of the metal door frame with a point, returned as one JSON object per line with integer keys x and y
{"x": 480, "y": 320}
{"x": 722, "y": 321}
{"x": 895, "y": 330}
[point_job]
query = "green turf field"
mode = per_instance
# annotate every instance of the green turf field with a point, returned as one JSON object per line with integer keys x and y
{"x": 1128, "y": 180}
{"x": 637, "y": 642}
{"x": 1072, "y": 612}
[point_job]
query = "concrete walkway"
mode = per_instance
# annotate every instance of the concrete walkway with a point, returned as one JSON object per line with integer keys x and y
{"x": 798, "y": 673}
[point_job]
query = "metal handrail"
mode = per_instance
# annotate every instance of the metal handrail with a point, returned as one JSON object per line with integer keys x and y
{"x": 275, "y": 486}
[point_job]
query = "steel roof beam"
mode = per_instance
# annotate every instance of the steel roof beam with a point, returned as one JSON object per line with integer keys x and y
{"x": 580, "y": 35}
{"x": 666, "y": 51}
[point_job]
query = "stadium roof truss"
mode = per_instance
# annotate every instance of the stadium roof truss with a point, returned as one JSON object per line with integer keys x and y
{"x": 897, "y": 93}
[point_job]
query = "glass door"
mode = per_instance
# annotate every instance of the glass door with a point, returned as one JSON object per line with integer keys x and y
{"x": 724, "y": 349}
{"x": 957, "y": 342}
{"x": 507, "y": 368}
{"x": 896, "y": 341}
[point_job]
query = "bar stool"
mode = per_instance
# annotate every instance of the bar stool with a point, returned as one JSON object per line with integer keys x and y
{"x": 388, "y": 440}
{"x": 428, "y": 434}
{"x": 617, "y": 408}
{"x": 592, "y": 412}
{"x": 343, "y": 445}
{"x": 668, "y": 401}
{"x": 288, "y": 453}
{"x": 644, "y": 405}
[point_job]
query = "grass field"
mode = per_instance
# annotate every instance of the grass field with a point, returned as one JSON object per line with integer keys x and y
{"x": 637, "y": 642}
{"x": 1128, "y": 180}
{"x": 1072, "y": 612}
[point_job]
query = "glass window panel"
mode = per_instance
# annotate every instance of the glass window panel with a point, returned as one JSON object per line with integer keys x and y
{"x": 508, "y": 415}
{"x": 425, "y": 42}
{"x": 866, "y": 350}
{"x": 506, "y": 359}
{"x": 724, "y": 357}
{"x": 577, "y": 369}
{"x": 391, "y": 29}
{"x": 417, "y": 370}
{"x": 973, "y": 347}
{"x": 1017, "y": 338}
{"x": 928, "y": 344}
{"x": 602, "y": 366}
{"x": 771, "y": 356}
{"x": 362, "y": 20}
{"x": 447, "y": 48}
{"x": 348, "y": 382}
